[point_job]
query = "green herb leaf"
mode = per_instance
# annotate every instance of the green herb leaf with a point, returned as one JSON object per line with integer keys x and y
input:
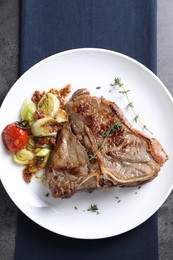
{"x": 108, "y": 133}
{"x": 136, "y": 118}
{"x": 93, "y": 208}
{"x": 92, "y": 157}
{"x": 124, "y": 91}
{"x": 130, "y": 104}
{"x": 117, "y": 82}
{"x": 117, "y": 126}
{"x": 101, "y": 145}
{"x": 24, "y": 124}
{"x": 112, "y": 129}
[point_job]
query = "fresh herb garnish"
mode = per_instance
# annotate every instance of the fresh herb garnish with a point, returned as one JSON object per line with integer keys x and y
{"x": 23, "y": 124}
{"x": 107, "y": 134}
{"x": 47, "y": 194}
{"x": 92, "y": 157}
{"x": 118, "y": 200}
{"x": 118, "y": 82}
{"x": 98, "y": 87}
{"x": 93, "y": 208}
{"x": 136, "y": 118}
{"x": 112, "y": 129}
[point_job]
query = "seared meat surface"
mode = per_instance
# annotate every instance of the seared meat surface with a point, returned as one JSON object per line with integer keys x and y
{"x": 98, "y": 148}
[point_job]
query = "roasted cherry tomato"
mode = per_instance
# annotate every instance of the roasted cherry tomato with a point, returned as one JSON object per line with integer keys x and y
{"x": 14, "y": 138}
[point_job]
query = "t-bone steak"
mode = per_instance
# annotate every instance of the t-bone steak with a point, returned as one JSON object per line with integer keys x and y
{"x": 99, "y": 148}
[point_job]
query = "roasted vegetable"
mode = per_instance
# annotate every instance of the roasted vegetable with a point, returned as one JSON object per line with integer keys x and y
{"x": 45, "y": 127}
{"x": 23, "y": 156}
{"x": 14, "y": 137}
{"x": 28, "y": 110}
{"x": 49, "y": 104}
{"x": 61, "y": 116}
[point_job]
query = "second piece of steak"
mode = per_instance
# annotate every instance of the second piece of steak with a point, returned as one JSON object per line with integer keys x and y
{"x": 99, "y": 148}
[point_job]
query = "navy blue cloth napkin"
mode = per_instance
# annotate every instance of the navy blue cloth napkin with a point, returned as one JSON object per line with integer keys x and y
{"x": 48, "y": 27}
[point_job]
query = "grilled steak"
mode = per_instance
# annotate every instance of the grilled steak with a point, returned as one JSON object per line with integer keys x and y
{"x": 99, "y": 148}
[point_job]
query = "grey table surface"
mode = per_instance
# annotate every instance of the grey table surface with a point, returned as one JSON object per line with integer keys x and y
{"x": 9, "y": 51}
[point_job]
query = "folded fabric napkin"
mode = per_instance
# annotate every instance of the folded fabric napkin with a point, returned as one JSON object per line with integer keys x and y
{"x": 48, "y": 27}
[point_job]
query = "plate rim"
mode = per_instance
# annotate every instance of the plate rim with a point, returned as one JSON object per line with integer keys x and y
{"x": 77, "y": 50}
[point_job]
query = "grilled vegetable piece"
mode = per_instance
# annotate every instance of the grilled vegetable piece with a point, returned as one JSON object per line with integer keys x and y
{"x": 23, "y": 156}
{"x": 14, "y": 137}
{"x": 46, "y": 126}
{"x": 28, "y": 110}
{"x": 49, "y": 104}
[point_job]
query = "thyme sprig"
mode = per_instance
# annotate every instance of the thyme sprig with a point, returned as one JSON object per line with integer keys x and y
{"x": 93, "y": 208}
{"x": 107, "y": 134}
{"x": 112, "y": 129}
{"x": 92, "y": 156}
{"x": 124, "y": 91}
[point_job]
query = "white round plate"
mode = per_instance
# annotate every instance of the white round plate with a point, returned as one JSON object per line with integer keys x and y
{"x": 120, "y": 209}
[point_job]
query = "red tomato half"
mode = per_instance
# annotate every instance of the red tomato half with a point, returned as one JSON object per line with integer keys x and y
{"x": 14, "y": 138}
